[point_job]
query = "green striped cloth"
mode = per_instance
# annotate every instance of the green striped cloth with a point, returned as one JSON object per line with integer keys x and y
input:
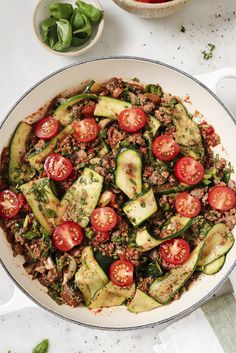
{"x": 209, "y": 329}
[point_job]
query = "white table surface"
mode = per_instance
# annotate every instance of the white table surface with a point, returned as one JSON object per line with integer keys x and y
{"x": 24, "y": 62}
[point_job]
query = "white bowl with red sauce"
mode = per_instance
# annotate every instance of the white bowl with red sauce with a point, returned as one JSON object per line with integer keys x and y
{"x": 146, "y": 9}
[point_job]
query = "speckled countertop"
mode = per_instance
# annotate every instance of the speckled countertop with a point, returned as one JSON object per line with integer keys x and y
{"x": 24, "y": 62}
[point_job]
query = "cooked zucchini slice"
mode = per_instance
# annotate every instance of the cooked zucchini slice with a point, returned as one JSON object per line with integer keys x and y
{"x": 164, "y": 288}
{"x": 112, "y": 295}
{"x": 153, "y": 124}
{"x": 141, "y": 208}
{"x": 166, "y": 189}
{"x": 42, "y": 201}
{"x": 175, "y": 226}
{"x": 214, "y": 266}
{"x": 219, "y": 241}
{"x": 36, "y": 159}
{"x": 63, "y": 112}
{"x": 90, "y": 277}
{"x": 145, "y": 241}
{"x": 81, "y": 199}
{"x": 187, "y": 133}
{"x": 141, "y": 302}
{"x": 128, "y": 172}
{"x": 19, "y": 170}
{"x": 110, "y": 107}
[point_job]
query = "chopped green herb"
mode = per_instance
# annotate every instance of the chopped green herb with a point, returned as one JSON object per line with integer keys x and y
{"x": 49, "y": 213}
{"x": 209, "y": 54}
{"x": 31, "y": 235}
{"x": 89, "y": 234}
{"x": 42, "y": 347}
{"x": 183, "y": 29}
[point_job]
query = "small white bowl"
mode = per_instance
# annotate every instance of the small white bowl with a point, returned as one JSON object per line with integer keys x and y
{"x": 151, "y": 10}
{"x": 42, "y": 12}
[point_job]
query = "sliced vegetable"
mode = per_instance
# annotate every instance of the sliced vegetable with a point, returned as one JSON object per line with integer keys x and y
{"x": 187, "y": 205}
{"x": 128, "y": 173}
{"x": 57, "y": 167}
{"x": 121, "y": 273}
{"x": 104, "y": 219}
{"x": 165, "y": 148}
{"x": 90, "y": 277}
{"x": 153, "y": 124}
{"x": 46, "y": 128}
{"x": 63, "y": 112}
{"x": 214, "y": 266}
{"x": 111, "y": 295}
{"x": 141, "y": 302}
{"x": 67, "y": 235}
{"x": 164, "y": 288}
{"x": 41, "y": 198}
{"x": 141, "y": 208}
{"x": 18, "y": 170}
{"x": 222, "y": 198}
{"x": 175, "y": 251}
{"x": 41, "y": 347}
{"x": 64, "y": 35}
{"x": 175, "y": 226}
{"x": 172, "y": 189}
{"x": 189, "y": 171}
{"x": 110, "y": 107}
{"x": 145, "y": 241}
{"x": 132, "y": 119}
{"x": 85, "y": 130}
{"x": 81, "y": 199}
{"x": 9, "y": 204}
{"x": 219, "y": 241}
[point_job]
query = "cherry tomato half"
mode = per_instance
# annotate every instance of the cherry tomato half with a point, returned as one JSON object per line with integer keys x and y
{"x": 88, "y": 110}
{"x": 132, "y": 119}
{"x": 221, "y": 198}
{"x": 9, "y": 204}
{"x": 189, "y": 171}
{"x": 23, "y": 203}
{"x": 57, "y": 167}
{"x": 187, "y": 205}
{"x": 165, "y": 148}
{"x": 67, "y": 235}
{"x": 103, "y": 219}
{"x": 121, "y": 273}
{"x": 46, "y": 128}
{"x": 85, "y": 130}
{"x": 175, "y": 251}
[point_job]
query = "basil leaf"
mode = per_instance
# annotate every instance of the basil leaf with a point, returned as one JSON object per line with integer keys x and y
{"x": 42, "y": 347}
{"x": 52, "y": 36}
{"x": 46, "y": 28}
{"x": 31, "y": 235}
{"x": 77, "y": 20}
{"x": 61, "y": 11}
{"x": 90, "y": 11}
{"x": 77, "y": 42}
{"x": 156, "y": 89}
{"x": 85, "y": 31}
{"x": 64, "y": 33}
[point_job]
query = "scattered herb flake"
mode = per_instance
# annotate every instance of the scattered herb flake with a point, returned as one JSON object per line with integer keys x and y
{"x": 209, "y": 54}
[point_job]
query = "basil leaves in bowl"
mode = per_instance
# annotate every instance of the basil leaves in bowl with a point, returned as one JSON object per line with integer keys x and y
{"x": 69, "y": 27}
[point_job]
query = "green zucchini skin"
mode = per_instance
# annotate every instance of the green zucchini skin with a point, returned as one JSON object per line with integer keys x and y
{"x": 62, "y": 113}
{"x": 167, "y": 228}
{"x": 173, "y": 190}
{"x": 218, "y": 242}
{"x": 144, "y": 240}
{"x": 141, "y": 208}
{"x": 214, "y": 266}
{"x": 110, "y": 107}
{"x": 141, "y": 302}
{"x": 17, "y": 170}
{"x": 128, "y": 171}
{"x": 164, "y": 288}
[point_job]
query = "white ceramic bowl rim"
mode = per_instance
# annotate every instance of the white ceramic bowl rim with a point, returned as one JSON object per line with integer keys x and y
{"x": 197, "y": 303}
{"x": 143, "y": 5}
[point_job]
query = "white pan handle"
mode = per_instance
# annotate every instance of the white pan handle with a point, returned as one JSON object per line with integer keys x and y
{"x": 211, "y": 79}
{"x": 17, "y": 302}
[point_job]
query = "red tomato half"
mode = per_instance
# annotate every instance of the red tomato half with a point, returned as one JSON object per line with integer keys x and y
{"x": 222, "y": 198}
{"x": 187, "y": 205}
{"x": 103, "y": 219}
{"x": 88, "y": 109}
{"x": 175, "y": 251}
{"x": 165, "y": 148}
{"x": 46, "y": 128}
{"x": 23, "y": 203}
{"x": 9, "y": 204}
{"x": 132, "y": 119}
{"x": 57, "y": 167}
{"x": 189, "y": 171}
{"x": 67, "y": 235}
{"x": 121, "y": 273}
{"x": 85, "y": 130}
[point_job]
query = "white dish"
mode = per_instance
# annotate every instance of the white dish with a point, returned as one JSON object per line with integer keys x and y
{"x": 172, "y": 80}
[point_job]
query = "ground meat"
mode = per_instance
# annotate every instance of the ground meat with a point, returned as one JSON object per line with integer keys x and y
{"x": 47, "y": 278}
{"x": 145, "y": 283}
{"x": 115, "y": 87}
{"x": 229, "y": 217}
{"x": 155, "y": 177}
{"x": 71, "y": 296}
{"x": 34, "y": 249}
{"x": 136, "y": 139}
{"x": 115, "y": 136}
{"x": 210, "y": 137}
{"x": 199, "y": 193}
{"x": 164, "y": 118}
{"x": 130, "y": 254}
{"x": 76, "y": 111}
{"x": 80, "y": 157}
{"x": 105, "y": 249}
{"x": 4, "y": 168}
